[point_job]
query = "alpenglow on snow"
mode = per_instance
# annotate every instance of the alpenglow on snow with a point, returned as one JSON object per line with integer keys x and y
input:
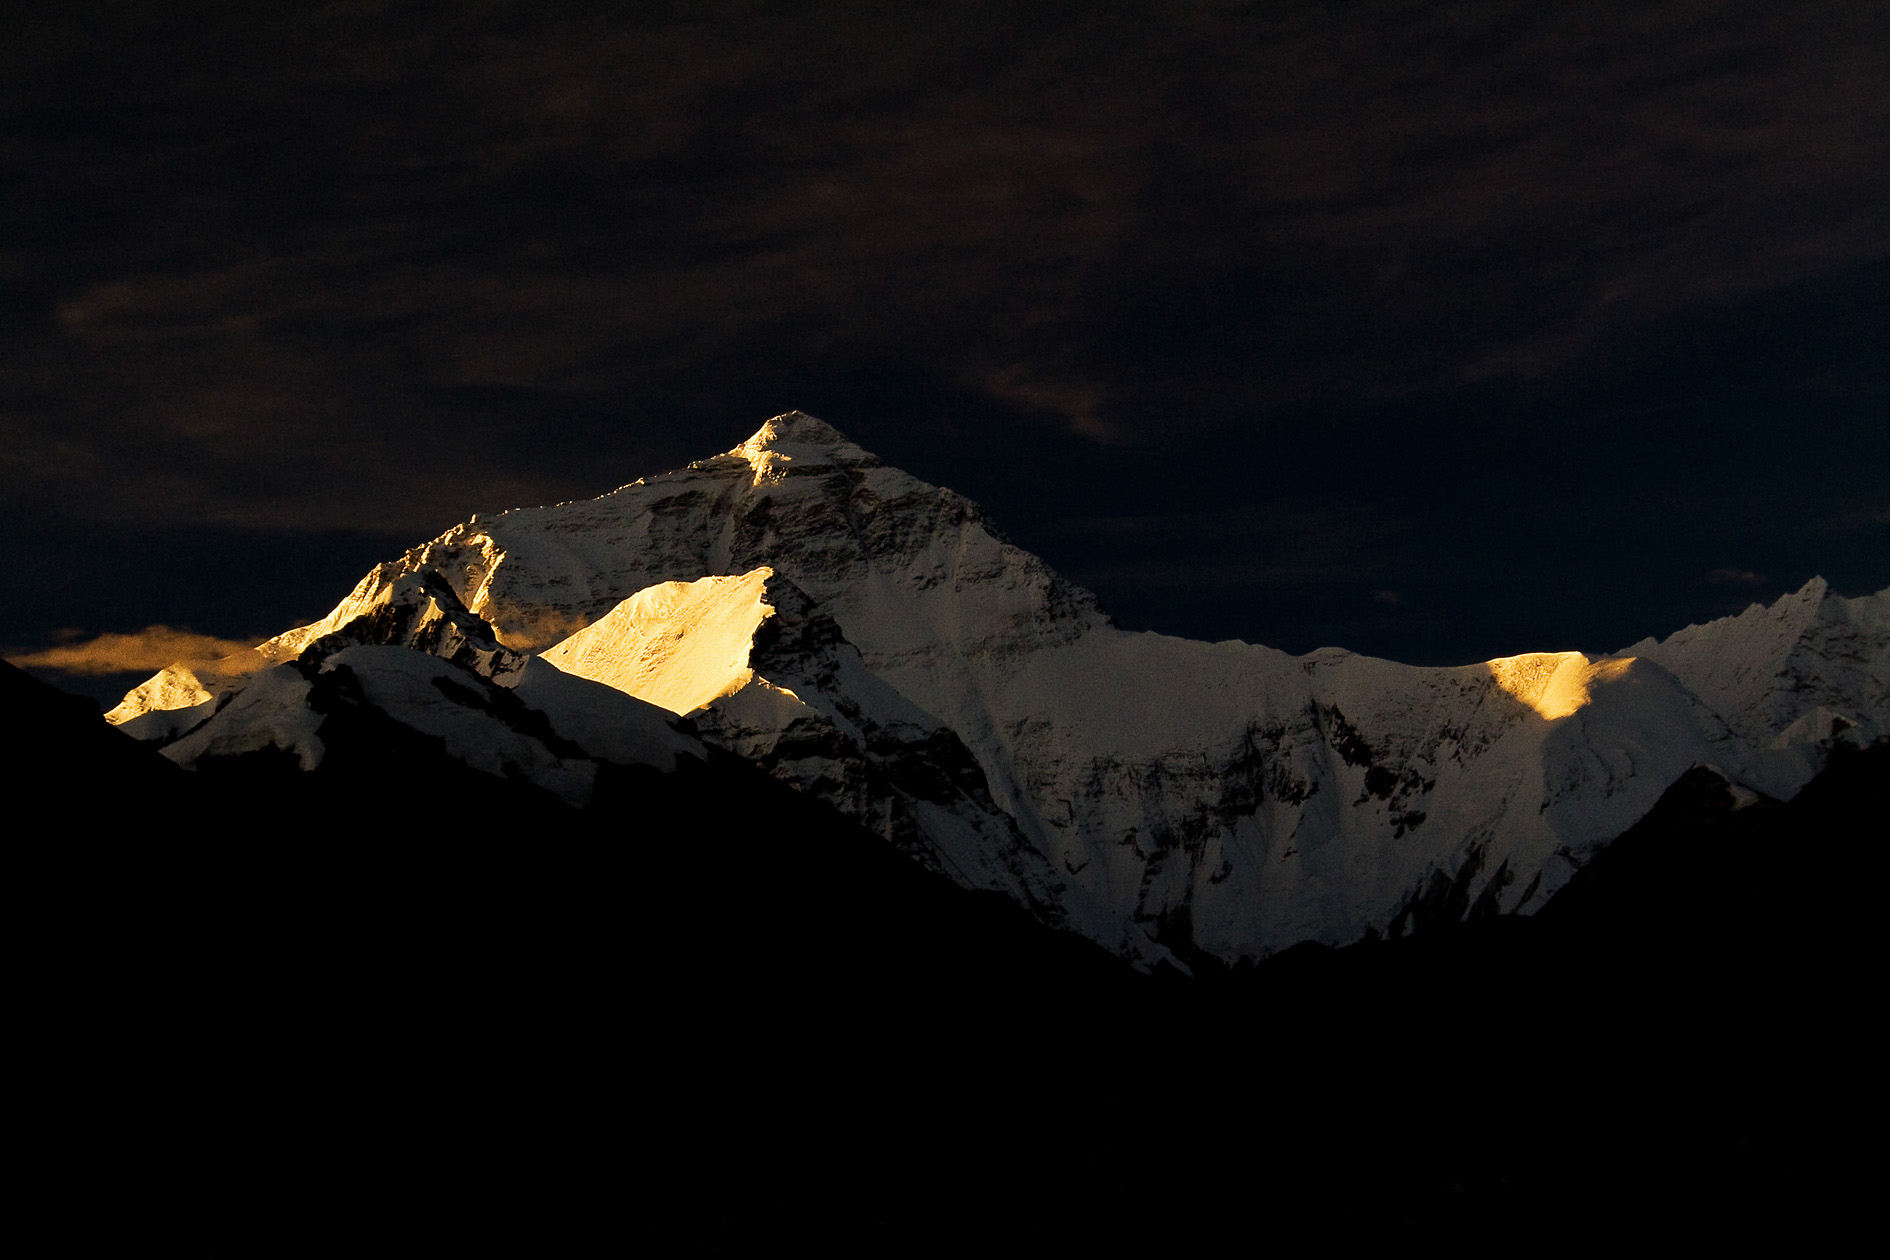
{"x": 872, "y": 640}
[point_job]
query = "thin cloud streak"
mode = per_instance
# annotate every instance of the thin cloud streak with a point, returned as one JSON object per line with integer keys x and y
{"x": 152, "y": 648}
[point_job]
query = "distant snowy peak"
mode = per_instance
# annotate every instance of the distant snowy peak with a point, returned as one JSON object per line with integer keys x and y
{"x": 796, "y": 444}
{"x": 875, "y": 641}
{"x": 862, "y": 539}
{"x": 390, "y": 606}
{"x": 1814, "y": 658}
{"x": 404, "y": 645}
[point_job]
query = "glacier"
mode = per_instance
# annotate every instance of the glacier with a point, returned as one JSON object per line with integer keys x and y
{"x": 876, "y": 642}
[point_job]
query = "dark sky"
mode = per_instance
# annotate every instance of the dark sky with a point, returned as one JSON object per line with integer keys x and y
{"x": 1437, "y": 331}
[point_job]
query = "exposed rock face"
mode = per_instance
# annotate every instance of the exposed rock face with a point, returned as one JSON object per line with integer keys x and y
{"x": 927, "y": 677}
{"x": 819, "y": 718}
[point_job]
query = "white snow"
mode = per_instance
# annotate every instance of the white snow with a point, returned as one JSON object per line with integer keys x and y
{"x": 1554, "y": 684}
{"x": 461, "y": 709}
{"x": 175, "y": 687}
{"x": 676, "y": 644}
{"x": 406, "y": 685}
{"x": 159, "y": 722}
{"x": 605, "y": 722}
{"x": 271, "y": 711}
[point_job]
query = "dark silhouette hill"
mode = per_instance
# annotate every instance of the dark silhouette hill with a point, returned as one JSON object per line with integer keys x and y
{"x": 395, "y": 1005}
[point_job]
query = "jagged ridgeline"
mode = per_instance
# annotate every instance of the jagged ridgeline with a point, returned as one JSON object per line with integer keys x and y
{"x": 874, "y": 642}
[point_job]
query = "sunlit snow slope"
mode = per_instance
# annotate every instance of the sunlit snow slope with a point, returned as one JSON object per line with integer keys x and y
{"x": 873, "y": 640}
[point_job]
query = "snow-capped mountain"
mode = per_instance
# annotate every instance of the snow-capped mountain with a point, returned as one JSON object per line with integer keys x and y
{"x": 874, "y": 641}
{"x": 403, "y": 645}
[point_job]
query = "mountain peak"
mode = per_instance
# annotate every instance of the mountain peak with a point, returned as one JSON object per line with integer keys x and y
{"x": 799, "y": 428}
{"x": 799, "y": 439}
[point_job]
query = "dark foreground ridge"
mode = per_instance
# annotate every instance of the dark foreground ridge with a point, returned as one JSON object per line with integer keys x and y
{"x": 396, "y": 1006}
